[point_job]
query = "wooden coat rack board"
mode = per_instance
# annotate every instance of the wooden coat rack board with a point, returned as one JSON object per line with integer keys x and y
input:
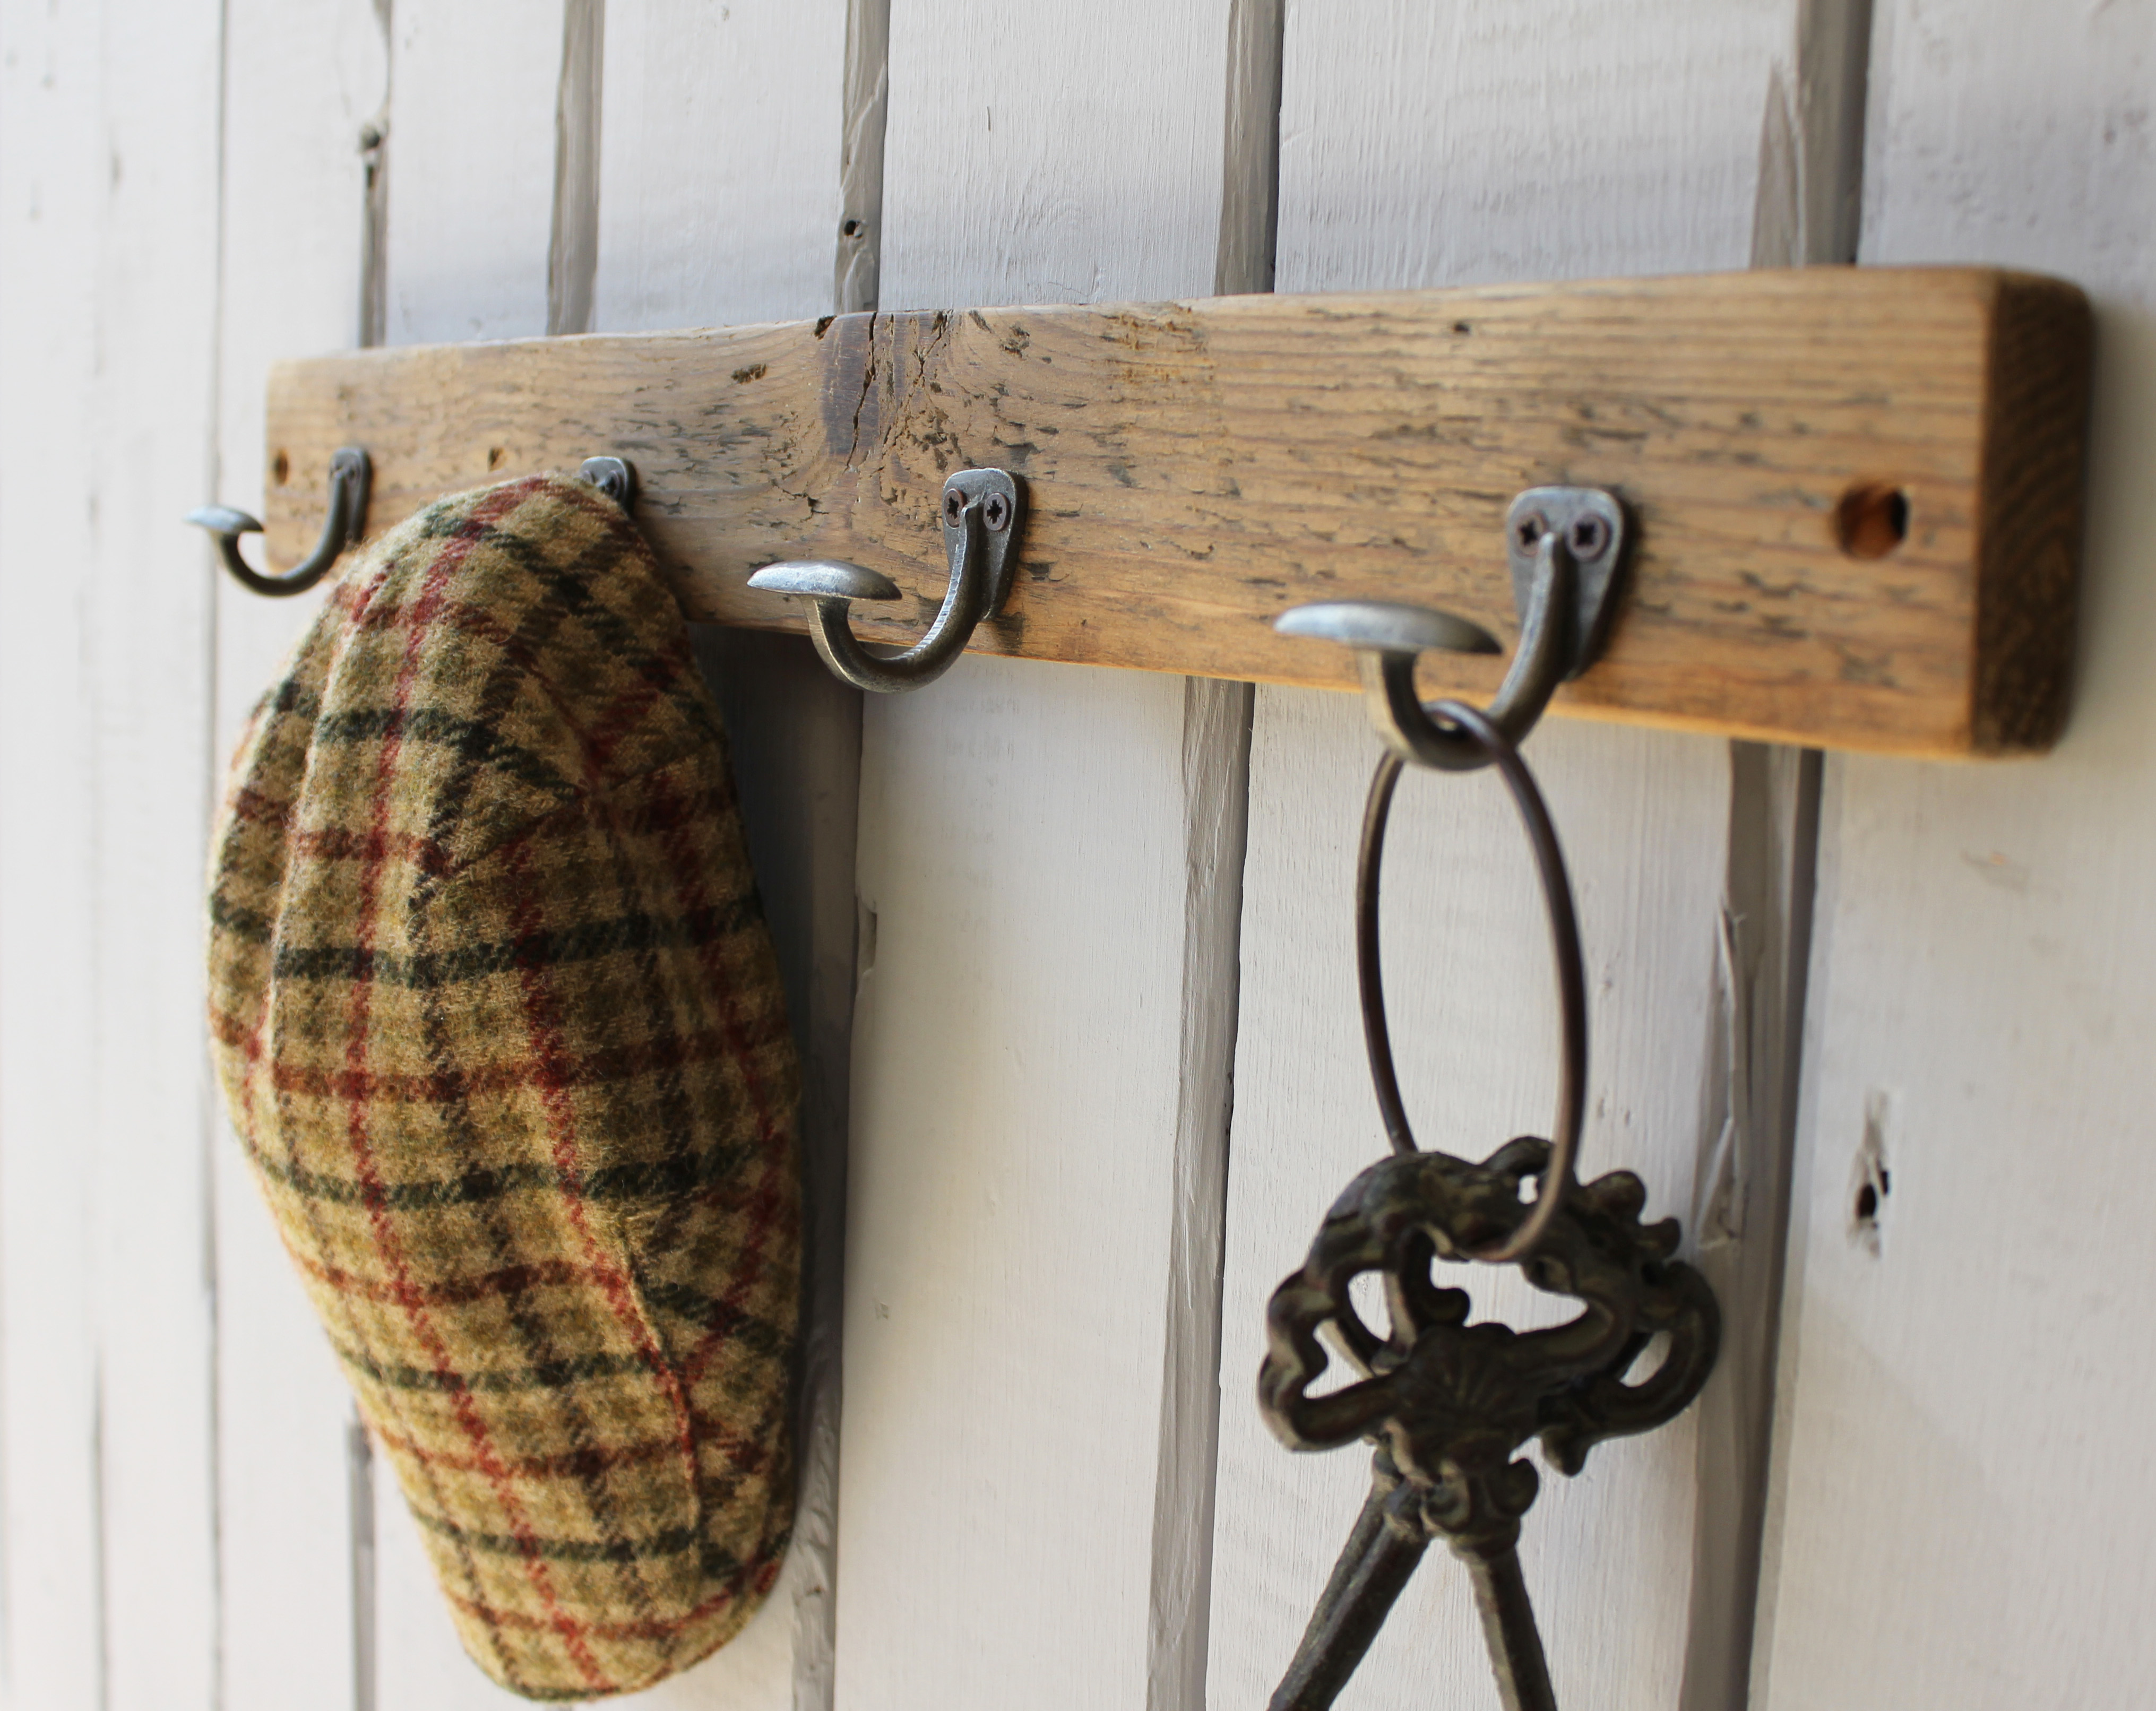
{"x": 1855, "y": 494}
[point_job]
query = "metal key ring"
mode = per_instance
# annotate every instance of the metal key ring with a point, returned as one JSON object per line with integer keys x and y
{"x": 1557, "y": 1177}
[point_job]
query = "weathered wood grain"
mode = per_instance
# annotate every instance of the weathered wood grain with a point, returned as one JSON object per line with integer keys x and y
{"x": 1197, "y": 467}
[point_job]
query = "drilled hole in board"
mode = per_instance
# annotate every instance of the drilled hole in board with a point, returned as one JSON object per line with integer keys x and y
{"x": 280, "y": 469}
{"x": 1871, "y": 521}
{"x": 495, "y": 456}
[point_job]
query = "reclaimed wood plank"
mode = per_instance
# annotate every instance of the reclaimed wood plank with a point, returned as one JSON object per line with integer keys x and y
{"x": 1198, "y": 467}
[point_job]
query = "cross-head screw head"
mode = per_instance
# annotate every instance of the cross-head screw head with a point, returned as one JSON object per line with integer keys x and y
{"x": 954, "y": 506}
{"x": 1529, "y": 530}
{"x": 996, "y": 512}
{"x": 1588, "y": 537}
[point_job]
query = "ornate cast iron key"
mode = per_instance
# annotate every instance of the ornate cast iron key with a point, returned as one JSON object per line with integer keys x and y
{"x": 1448, "y": 1403}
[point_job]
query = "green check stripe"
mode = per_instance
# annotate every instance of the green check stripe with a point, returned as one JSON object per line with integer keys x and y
{"x": 673, "y": 1542}
{"x": 587, "y": 942}
{"x": 475, "y": 740}
{"x": 541, "y": 1376}
{"x": 656, "y": 1178}
{"x": 717, "y": 1562}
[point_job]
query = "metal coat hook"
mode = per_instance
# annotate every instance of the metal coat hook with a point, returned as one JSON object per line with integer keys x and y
{"x": 350, "y": 476}
{"x": 1557, "y": 1175}
{"x": 982, "y": 511}
{"x": 614, "y": 477}
{"x": 1567, "y": 546}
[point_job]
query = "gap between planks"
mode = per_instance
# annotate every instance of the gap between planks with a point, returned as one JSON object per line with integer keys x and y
{"x": 1216, "y": 771}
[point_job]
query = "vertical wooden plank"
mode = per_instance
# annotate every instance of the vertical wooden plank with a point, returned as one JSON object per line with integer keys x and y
{"x": 146, "y": 602}
{"x": 857, "y": 270}
{"x": 1426, "y": 145}
{"x": 53, "y": 181}
{"x": 1805, "y": 212}
{"x": 111, "y": 306}
{"x": 1960, "y": 1458}
{"x": 719, "y": 174}
{"x": 720, "y": 204}
{"x": 301, "y": 235}
{"x": 572, "y": 242}
{"x": 1029, "y": 836}
{"x": 471, "y": 212}
{"x": 1216, "y": 780}
{"x": 1031, "y": 160}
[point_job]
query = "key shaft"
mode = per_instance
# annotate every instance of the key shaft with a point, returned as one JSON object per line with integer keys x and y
{"x": 1509, "y": 1630}
{"x": 1380, "y": 1555}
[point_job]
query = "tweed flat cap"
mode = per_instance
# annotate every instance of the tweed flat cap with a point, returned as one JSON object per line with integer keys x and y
{"x": 494, "y": 1008}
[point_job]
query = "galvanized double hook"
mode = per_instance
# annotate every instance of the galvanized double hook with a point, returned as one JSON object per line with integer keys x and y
{"x": 1566, "y": 546}
{"x": 982, "y": 511}
{"x": 352, "y": 475}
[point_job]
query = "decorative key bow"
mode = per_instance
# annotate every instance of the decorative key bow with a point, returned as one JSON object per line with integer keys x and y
{"x": 1448, "y": 1403}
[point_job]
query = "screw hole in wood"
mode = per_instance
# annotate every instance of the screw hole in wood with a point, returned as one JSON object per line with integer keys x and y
{"x": 1871, "y": 521}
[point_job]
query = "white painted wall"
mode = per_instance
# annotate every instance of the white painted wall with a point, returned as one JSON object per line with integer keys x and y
{"x": 1964, "y": 1500}
{"x": 1064, "y": 947}
{"x": 107, "y": 1508}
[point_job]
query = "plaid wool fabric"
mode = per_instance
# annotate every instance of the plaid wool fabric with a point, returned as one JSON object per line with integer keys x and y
{"x": 493, "y": 1005}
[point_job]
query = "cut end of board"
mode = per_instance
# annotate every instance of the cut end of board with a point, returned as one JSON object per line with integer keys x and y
{"x": 2035, "y": 456}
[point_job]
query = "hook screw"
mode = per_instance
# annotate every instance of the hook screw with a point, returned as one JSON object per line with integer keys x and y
{"x": 1566, "y": 545}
